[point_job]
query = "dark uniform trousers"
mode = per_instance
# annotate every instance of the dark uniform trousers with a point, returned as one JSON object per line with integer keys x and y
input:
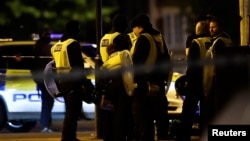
{"x": 73, "y": 105}
{"x": 117, "y": 125}
{"x": 148, "y": 112}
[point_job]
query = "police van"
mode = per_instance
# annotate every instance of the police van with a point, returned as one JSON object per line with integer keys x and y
{"x": 20, "y": 100}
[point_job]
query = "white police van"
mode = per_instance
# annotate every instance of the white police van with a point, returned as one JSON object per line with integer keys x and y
{"x": 20, "y": 100}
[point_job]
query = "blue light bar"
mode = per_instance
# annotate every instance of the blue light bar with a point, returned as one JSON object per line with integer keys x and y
{"x": 55, "y": 36}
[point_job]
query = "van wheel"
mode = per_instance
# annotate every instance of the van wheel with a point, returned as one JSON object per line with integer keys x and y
{"x": 20, "y": 125}
{"x": 2, "y": 116}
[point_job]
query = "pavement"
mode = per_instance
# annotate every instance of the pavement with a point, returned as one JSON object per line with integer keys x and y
{"x": 85, "y": 132}
{"x": 83, "y": 136}
{"x": 55, "y": 136}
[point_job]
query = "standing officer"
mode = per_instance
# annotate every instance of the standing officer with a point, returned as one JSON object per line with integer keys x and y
{"x": 215, "y": 99}
{"x": 42, "y": 49}
{"x": 71, "y": 73}
{"x": 116, "y": 123}
{"x": 115, "y": 36}
{"x": 194, "y": 76}
{"x": 148, "y": 106}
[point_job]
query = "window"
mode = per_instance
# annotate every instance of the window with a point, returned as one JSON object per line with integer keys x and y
{"x": 173, "y": 28}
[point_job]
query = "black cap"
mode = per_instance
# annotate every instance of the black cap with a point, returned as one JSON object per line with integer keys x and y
{"x": 141, "y": 20}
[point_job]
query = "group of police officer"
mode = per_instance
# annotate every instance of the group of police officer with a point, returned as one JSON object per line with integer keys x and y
{"x": 146, "y": 43}
{"x": 134, "y": 117}
{"x": 125, "y": 116}
{"x": 200, "y": 79}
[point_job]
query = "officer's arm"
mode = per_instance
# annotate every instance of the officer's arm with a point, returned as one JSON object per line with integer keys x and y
{"x": 194, "y": 52}
{"x": 75, "y": 58}
{"x": 74, "y": 54}
{"x": 193, "y": 61}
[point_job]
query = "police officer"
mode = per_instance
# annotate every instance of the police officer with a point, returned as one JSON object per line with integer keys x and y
{"x": 219, "y": 37}
{"x": 148, "y": 107}
{"x": 194, "y": 76}
{"x": 69, "y": 67}
{"x": 215, "y": 99}
{"x": 116, "y": 122}
{"x": 119, "y": 125}
{"x": 115, "y": 36}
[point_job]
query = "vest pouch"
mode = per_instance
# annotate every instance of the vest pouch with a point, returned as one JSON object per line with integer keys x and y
{"x": 153, "y": 89}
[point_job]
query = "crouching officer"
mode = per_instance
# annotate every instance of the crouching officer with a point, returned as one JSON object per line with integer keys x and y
{"x": 116, "y": 102}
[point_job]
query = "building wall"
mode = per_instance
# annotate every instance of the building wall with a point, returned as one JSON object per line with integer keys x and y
{"x": 169, "y": 20}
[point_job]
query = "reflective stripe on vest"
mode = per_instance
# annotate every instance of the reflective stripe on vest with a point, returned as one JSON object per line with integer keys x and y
{"x": 133, "y": 39}
{"x": 106, "y": 40}
{"x": 153, "y": 50}
{"x": 227, "y": 41}
{"x": 113, "y": 62}
{"x": 60, "y": 55}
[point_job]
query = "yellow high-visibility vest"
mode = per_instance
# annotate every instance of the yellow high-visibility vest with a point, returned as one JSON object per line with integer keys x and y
{"x": 202, "y": 41}
{"x": 209, "y": 69}
{"x": 60, "y": 55}
{"x": 106, "y": 40}
{"x": 153, "y": 50}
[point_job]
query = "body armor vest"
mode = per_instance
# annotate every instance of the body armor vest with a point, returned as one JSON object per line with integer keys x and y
{"x": 106, "y": 40}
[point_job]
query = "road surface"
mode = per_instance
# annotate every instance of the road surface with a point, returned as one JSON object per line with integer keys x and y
{"x": 85, "y": 132}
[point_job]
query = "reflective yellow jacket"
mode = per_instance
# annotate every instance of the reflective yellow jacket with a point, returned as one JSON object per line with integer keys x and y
{"x": 106, "y": 40}
{"x": 60, "y": 55}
